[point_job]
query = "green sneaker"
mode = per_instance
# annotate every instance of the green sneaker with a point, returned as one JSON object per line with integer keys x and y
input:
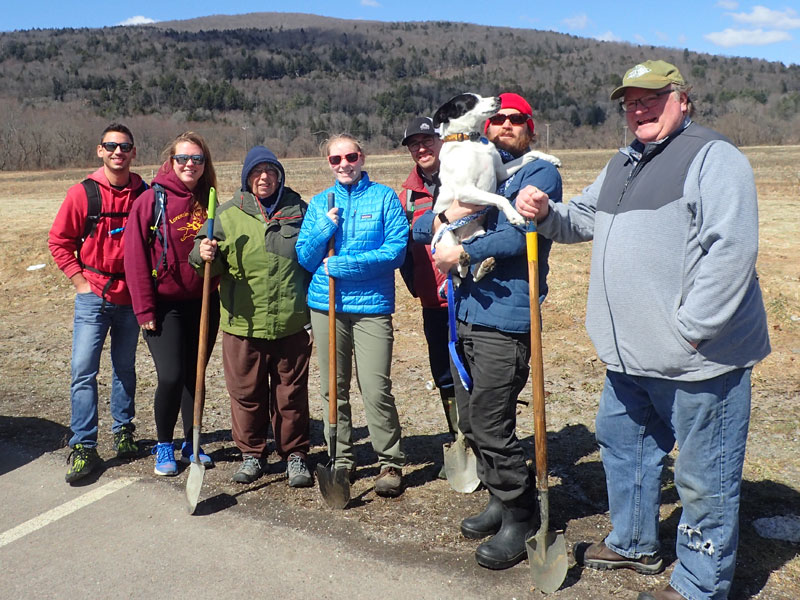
{"x": 124, "y": 443}
{"x": 82, "y": 461}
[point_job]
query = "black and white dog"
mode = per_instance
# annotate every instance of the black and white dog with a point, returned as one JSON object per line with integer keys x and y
{"x": 470, "y": 169}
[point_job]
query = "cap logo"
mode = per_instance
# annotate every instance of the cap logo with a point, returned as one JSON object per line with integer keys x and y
{"x": 424, "y": 126}
{"x": 638, "y": 71}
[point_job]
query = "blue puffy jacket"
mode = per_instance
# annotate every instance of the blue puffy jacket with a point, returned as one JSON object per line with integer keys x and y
{"x": 369, "y": 244}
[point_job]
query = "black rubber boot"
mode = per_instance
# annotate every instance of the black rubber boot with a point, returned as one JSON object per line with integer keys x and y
{"x": 507, "y": 547}
{"x": 485, "y": 523}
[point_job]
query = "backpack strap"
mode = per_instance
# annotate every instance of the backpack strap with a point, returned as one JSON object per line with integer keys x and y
{"x": 158, "y": 228}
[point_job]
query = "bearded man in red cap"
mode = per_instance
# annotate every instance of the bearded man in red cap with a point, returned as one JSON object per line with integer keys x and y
{"x": 493, "y": 339}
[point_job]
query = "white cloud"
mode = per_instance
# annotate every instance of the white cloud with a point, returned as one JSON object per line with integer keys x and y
{"x": 608, "y": 36}
{"x": 662, "y": 36}
{"x": 371, "y": 3}
{"x": 682, "y": 39}
{"x": 761, "y": 16}
{"x": 728, "y": 4}
{"x": 579, "y": 21}
{"x": 639, "y": 38}
{"x": 751, "y": 37}
{"x": 137, "y": 20}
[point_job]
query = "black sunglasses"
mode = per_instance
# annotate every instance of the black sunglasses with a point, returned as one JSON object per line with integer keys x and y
{"x": 112, "y": 146}
{"x": 350, "y": 157}
{"x": 182, "y": 159}
{"x": 515, "y": 118}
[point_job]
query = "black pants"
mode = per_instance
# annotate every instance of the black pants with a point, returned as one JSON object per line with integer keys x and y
{"x": 497, "y": 362}
{"x": 173, "y": 346}
{"x": 434, "y": 324}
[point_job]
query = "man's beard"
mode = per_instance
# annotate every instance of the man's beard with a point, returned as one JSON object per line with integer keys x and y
{"x": 517, "y": 147}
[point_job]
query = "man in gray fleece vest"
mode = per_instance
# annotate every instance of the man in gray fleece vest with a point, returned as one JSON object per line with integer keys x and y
{"x": 675, "y": 311}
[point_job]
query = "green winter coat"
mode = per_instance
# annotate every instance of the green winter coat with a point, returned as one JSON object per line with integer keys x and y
{"x": 262, "y": 287}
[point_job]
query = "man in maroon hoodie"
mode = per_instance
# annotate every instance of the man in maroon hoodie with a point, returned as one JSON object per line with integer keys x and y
{"x": 91, "y": 256}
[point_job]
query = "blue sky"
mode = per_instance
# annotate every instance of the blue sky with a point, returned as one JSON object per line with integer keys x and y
{"x": 726, "y": 27}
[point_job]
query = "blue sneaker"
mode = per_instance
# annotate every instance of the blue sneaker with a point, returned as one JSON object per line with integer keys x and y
{"x": 165, "y": 459}
{"x": 187, "y": 454}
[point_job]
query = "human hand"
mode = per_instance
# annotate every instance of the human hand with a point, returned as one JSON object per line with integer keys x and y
{"x": 149, "y": 326}
{"x": 325, "y": 266}
{"x": 208, "y": 249}
{"x": 81, "y": 285}
{"x": 532, "y": 203}
{"x": 446, "y": 257}
{"x": 333, "y": 215}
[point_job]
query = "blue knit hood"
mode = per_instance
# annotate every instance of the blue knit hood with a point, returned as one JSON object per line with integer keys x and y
{"x": 258, "y": 155}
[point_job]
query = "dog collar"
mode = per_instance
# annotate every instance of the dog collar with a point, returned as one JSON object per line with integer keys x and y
{"x": 473, "y": 136}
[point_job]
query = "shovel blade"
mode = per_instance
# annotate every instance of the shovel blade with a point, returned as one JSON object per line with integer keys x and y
{"x": 334, "y": 484}
{"x": 547, "y": 556}
{"x": 194, "y": 482}
{"x": 460, "y": 466}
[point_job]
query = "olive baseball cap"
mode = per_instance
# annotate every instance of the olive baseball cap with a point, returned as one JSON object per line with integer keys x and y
{"x": 650, "y": 75}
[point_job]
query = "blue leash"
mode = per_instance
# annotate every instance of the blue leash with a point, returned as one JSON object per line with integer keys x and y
{"x": 466, "y": 380}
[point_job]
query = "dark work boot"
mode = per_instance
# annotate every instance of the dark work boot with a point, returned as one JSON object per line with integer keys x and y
{"x": 485, "y": 523}
{"x": 507, "y": 547}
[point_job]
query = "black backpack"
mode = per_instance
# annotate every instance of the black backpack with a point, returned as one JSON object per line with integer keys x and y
{"x": 94, "y": 212}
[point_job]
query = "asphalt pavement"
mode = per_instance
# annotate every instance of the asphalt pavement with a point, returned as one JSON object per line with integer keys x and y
{"x": 122, "y": 537}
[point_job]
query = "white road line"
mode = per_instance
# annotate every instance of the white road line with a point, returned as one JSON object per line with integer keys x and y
{"x": 62, "y": 511}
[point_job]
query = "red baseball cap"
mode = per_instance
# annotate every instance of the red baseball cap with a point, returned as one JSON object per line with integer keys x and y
{"x": 511, "y": 100}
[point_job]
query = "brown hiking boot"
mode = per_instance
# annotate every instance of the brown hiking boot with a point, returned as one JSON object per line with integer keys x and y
{"x": 389, "y": 482}
{"x": 600, "y": 556}
{"x": 668, "y": 593}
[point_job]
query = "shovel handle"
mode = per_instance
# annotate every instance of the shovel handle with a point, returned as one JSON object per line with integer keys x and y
{"x": 332, "y": 380}
{"x": 537, "y": 367}
{"x": 202, "y": 346}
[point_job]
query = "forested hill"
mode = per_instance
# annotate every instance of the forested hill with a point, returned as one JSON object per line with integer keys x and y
{"x": 289, "y": 80}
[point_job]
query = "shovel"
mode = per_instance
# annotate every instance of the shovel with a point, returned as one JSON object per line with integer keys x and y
{"x": 334, "y": 484}
{"x": 547, "y": 550}
{"x": 194, "y": 482}
{"x": 460, "y": 464}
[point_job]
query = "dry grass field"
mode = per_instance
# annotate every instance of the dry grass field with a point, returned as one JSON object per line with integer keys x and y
{"x": 421, "y": 527}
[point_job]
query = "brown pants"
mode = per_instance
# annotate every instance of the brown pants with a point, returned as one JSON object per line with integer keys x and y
{"x": 268, "y": 379}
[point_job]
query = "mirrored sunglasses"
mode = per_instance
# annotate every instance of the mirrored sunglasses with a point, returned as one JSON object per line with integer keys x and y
{"x": 182, "y": 159}
{"x": 350, "y": 157}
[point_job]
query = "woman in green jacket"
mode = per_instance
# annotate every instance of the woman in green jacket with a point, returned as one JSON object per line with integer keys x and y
{"x": 266, "y": 343}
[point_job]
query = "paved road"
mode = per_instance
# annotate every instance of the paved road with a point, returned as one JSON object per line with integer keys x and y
{"x": 132, "y": 538}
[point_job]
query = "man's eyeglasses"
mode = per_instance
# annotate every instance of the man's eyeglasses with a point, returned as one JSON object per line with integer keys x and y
{"x": 515, "y": 118}
{"x": 629, "y": 106}
{"x": 258, "y": 172}
{"x": 350, "y": 157}
{"x": 182, "y": 159}
{"x": 112, "y": 146}
{"x": 428, "y": 142}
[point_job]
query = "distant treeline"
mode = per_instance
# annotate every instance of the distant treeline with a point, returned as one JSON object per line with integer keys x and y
{"x": 291, "y": 81}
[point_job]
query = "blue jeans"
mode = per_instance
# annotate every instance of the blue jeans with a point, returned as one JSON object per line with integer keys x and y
{"x": 90, "y": 328}
{"x": 639, "y": 421}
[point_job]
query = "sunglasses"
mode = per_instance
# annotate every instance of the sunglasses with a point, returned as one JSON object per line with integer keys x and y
{"x": 182, "y": 159}
{"x": 515, "y": 118}
{"x": 428, "y": 142}
{"x": 112, "y": 146}
{"x": 350, "y": 157}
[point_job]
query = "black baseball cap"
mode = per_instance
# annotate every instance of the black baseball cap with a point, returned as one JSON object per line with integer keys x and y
{"x": 423, "y": 125}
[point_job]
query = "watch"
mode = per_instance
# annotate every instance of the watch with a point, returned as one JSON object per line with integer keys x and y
{"x": 441, "y": 216}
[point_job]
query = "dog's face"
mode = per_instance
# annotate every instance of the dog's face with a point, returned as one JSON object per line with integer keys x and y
{"x": 465, "y": 113}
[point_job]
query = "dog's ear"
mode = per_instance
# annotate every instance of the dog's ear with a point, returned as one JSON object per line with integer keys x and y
{"x": 454, "y": 108}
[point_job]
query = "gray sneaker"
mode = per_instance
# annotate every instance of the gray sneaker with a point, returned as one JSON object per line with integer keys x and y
{"x": 252, "y": 468}
{"x": 297, "y": 472}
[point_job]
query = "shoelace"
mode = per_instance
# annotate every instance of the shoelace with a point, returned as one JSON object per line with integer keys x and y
{"x": 296, "y": 464}
{"x": 164, "y": 453}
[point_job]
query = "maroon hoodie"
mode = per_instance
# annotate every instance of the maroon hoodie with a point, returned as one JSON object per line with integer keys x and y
{"x": 177, "y": 280}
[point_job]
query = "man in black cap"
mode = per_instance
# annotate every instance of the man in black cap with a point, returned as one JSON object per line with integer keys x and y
{"x": 419, "y": 272}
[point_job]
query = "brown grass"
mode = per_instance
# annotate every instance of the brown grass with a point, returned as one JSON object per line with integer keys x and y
{"x": 37, "y": 309}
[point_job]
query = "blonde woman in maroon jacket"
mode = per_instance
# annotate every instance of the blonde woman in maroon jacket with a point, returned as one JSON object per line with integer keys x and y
{"x": 167, "y": 292}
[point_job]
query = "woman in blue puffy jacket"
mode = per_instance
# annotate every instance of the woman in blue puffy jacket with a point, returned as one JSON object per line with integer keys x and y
{"x": 370, "y": 233}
